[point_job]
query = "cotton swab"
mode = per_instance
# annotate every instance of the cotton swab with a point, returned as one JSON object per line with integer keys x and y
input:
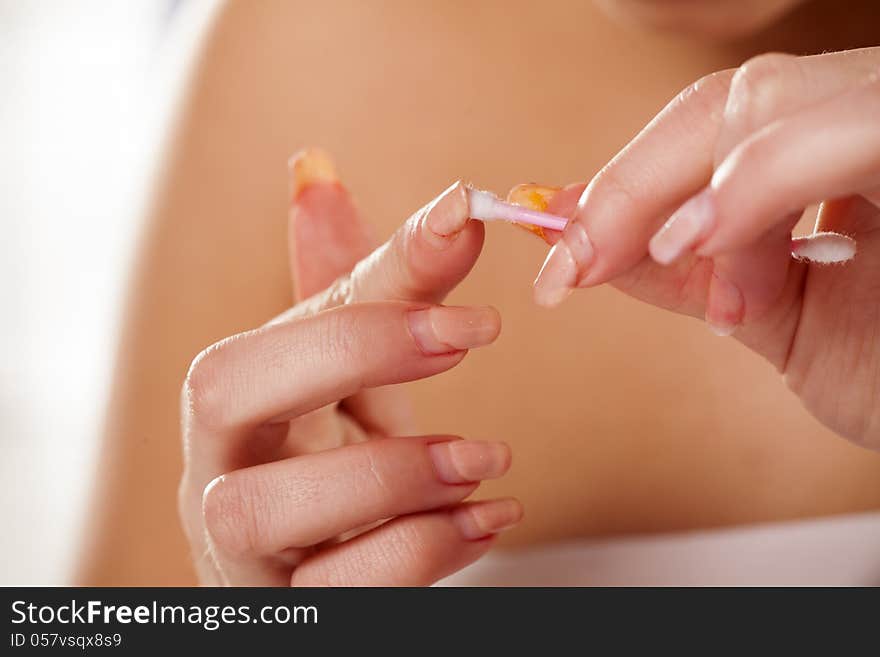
{"x": 485, "y": 206}
{"x": 824, "y": 247}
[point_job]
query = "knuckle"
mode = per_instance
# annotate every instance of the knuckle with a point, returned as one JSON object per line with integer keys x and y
{"x": 751, "y": 156}
{"x": 203, "y": 391}
{"x": 757, "y": 89}
{"x": 341, "y": 291}
{"x": 705, "y": 97}
{"x": 230, "y": 508}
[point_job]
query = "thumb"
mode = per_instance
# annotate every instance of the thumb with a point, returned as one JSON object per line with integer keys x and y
{"x": 326, "y": 234}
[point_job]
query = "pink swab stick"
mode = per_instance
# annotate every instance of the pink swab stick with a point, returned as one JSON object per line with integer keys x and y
{"x": 485, "y": 206}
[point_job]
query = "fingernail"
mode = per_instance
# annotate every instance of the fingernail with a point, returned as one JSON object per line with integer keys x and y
{"x": 446, "y": 329}
{"x": 308, "y": 166}
{"x": 464, "y": 461}
{"x": 483, "y": 519}
{"x": 692, "y": 222}
{"x": 532, "y": 196}
{"x": 725, "y": 306}
{"x": 446, "y": 215}
{"x": 535, "y": 197}
{"x": 564, "y": 266}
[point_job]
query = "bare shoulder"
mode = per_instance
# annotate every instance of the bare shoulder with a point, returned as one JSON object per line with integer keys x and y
{"x": 213, "y": 262}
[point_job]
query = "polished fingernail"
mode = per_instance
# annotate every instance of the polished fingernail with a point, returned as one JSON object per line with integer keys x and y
{"x": 564, "y": 267}
{"x": 446, "y": 329}
{"x": 310, "y": 166}
{"x": 692, "y": 222}
{"x": 483, "y": 519}
{"x": 464, "y": 461}
{"x": 534, "y": 197}
{"x": 446, "y": 216}
{"x": 725, "y": 306}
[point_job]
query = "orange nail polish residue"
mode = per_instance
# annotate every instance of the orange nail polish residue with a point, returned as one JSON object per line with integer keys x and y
{"x": 535, "y": 197}
{"x": 309, "y": 166}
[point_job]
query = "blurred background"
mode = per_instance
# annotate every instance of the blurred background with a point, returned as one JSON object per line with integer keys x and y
{"x": 87, "y": 93}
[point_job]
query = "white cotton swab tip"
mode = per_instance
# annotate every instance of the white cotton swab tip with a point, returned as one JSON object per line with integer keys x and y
{"x": 485, "y": 206}
{"x": 826, "y": 248}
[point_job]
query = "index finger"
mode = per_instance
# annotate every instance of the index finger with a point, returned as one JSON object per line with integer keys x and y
{"x": 627, "y": 201}
{"x": 422, "y": 261}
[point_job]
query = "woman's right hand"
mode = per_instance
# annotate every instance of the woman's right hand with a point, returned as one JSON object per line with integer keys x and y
{"x": 295, "y": 469}
{"x": 696, "y": 214}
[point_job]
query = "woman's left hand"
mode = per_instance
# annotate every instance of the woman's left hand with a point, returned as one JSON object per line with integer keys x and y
{"x": 696, "y": 213}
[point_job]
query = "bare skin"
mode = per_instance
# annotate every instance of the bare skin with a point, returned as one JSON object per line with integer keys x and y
{"x": 498, "y": 95}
